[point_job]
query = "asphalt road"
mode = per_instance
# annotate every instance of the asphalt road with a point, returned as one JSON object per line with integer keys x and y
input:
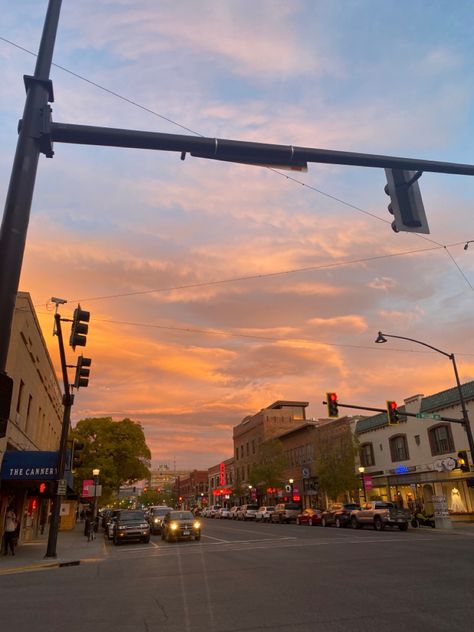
{"x": 246, "y": 577}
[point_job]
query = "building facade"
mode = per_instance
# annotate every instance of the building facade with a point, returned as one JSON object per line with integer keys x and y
{"x": 253, "y": 430}
{"x": 418, "y": 458}
{"x": 221, "y": 483}
{"x": 34, "y": 423}
{"x": 190, "y": 489}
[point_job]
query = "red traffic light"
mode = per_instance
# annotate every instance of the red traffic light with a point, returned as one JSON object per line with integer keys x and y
{"x": 333, "y": 397}
{"x": 393, "y": 405}
{"x": 42, "y": 488}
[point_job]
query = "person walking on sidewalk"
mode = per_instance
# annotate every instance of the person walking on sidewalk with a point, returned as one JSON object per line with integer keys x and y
{"x": 9, "y": 535}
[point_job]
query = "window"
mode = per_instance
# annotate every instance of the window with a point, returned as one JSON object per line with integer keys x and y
{"x": 441, "y": 439}
{"x": 236, "y": 454}
{"x": 399, "y": 448}
{"x": 253, "y": 446}
{"x": 247, "y": 448}
{"x": 367, "y": 455}
{"x": 241, "y": 451}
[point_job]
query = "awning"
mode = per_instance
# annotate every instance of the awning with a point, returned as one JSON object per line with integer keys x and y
{"x": 18, "y": 465}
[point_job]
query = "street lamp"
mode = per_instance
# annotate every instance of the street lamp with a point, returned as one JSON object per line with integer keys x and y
{"x": 291, "y": 481}
{"x": 465, "y": 421}
{"x": 95, "y": 474}
{"x": 250, "y": 492}
{"x": 361, "y": 472}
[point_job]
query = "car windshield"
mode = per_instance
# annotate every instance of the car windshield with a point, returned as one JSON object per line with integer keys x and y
{"x": 351, "y": 506}
{"x": 292, "y": 506}
{"x": 181, "y": 515}
{"x": 132, "y": 516}
{"x": 160, "y": 511}
{"x": 270, "y": 508}
{"x": 252, "y": 507}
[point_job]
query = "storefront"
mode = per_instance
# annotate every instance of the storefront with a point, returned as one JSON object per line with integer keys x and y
{"x": 414, "y": 489}
{"x": 27, "y": 485}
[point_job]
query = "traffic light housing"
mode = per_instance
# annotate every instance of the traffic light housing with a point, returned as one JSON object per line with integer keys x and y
{"x": 392, "y": 413}
{"x": 76, "y": 456}
{"x": 79, "y": 328}
{"x": 6, "y": 391}
{"x": 82, "y": 373}
{"x": 406, "y": 204}
{"x": 331, "y": 400}
{"x": 463, "y": 462}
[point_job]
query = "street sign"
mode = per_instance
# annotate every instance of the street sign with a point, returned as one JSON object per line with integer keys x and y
{"x": 62, "y": 487}
{"x": 428, "y": 416}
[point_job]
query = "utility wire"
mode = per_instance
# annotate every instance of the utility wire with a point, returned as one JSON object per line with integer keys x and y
{"x": 234, "y": 334}
{"x": 265, "y": 275}
{"x": 293, "y": 179}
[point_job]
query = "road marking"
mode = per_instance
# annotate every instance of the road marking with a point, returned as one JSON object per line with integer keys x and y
{"x": 212, "y": 538}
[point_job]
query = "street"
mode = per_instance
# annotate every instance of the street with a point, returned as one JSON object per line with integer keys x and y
{"x": 244, "y": 576}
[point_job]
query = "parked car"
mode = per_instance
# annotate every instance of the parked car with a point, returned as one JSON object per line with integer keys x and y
{"x": 233, "y": 512}
{"x": 131, "y": 524}
{"x": 155, "y": 517}
{"x": 339, "y": 514}
{"x": 110, "y": 524}
{"x": 309, "y": 516}
{"x": 179, "y": 525}
{"x": 211, "y": 512}
{"x": 264, "y": 513}
{"x": 247, "y": 512}
{"x": 379, "y": 515}
{"x": 286, "y": 512}
{"x": 223, "y": 512}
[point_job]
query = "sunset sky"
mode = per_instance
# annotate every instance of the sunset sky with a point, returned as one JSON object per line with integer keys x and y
{"x": 216, "y": 289}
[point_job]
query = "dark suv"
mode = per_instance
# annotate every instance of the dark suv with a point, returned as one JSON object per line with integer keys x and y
{"x": 156, "y": 516}
{"x": 131, "y": 524}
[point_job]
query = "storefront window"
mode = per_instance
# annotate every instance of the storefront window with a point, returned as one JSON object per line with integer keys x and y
{"x": 456, "y": 497}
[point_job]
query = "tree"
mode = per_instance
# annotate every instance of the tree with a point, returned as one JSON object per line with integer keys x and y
{"x": 117, "y": 448}
{"x": 152, "y": 497}
{"x": 268, "y": 472}
{"x": 335, "y": 461}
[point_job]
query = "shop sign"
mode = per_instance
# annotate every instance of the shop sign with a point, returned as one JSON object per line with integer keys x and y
{"x": 368, "y": 482}
{"x": 305, "y": 472}
{"x": 440, "y": 506}
{"x": 444, "y": 465}
{"x": 221, "y": 474}
{"x": 24, "y": 465}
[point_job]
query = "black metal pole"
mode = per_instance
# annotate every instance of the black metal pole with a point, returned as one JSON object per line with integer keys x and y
{"x": 467, "y": 423}
{"x": 68, "y": 400}
{"x": 22, "y": 180}
{"x": 242, "y": 151}
{"x": 465, "y": 417}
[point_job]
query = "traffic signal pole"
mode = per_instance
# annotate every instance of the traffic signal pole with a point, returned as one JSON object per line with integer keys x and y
{"x": 68, "y": 400}
{"x": 39, "y": 91}
{"x": 37, "y": 133}
{"x": 404, "y": 414}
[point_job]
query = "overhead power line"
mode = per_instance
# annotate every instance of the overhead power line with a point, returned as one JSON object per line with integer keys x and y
{"x": 290, "y": 178}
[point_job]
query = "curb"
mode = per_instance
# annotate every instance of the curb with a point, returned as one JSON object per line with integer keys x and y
{"x": 37, "y": 567}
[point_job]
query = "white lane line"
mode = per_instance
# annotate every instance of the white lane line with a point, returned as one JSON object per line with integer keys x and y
{"x": 217, "y": 539}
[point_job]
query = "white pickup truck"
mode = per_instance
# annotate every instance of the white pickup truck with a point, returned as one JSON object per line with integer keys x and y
{"x": 380, "y": 514}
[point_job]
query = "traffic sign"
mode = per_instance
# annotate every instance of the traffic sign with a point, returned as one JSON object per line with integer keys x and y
{"x": 428, "y": 416}
{"x": 62, "y": 487}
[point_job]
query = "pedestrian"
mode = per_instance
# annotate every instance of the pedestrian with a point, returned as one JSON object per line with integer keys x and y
{"x": 82, "y": 515}
{"x": 87, "y": 523}
{"x": 10, "y": 534}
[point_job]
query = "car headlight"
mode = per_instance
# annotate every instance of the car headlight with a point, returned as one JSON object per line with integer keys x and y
{"x": 144, "y": 525}
{"x": 173, "y": 526}
{"x": 197, "y": 524}
{"x": 156, "y": 520}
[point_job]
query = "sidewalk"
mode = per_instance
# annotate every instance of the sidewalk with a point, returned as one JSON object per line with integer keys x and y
{"x": 72, "y": 548}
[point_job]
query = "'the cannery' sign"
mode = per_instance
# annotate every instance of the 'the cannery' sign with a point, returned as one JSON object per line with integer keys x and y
{"x": 33, "y": 466}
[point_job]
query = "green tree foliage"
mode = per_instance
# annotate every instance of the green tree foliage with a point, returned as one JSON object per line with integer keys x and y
{"x": 269, "y": 470}
{"x": 335, "y": 463}
{"x": 151, "y": 497}
{"x": 117, "y": 448}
